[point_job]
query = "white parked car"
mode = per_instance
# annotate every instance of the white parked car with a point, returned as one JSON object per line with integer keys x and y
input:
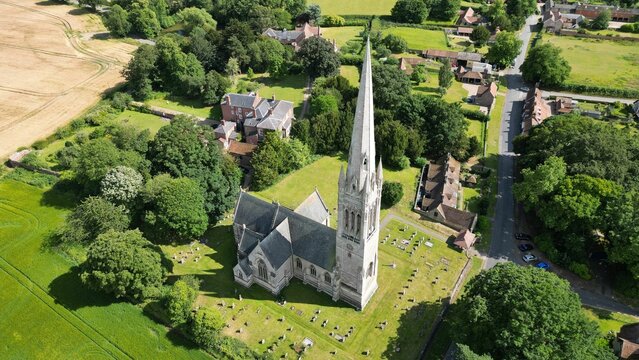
{"x": 529, "y": 257}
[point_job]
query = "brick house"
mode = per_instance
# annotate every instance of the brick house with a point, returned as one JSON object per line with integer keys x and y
{"x": 486, "y": 95}
{"x": 293, "y": 37}
{"x": 536, "y": 110}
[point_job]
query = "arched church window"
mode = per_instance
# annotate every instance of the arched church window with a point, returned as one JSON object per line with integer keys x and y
{"x": 359, "y": 223}
{"x": 261, "y": 270}
{"x": 352, "y": 220}
{"x": 345, "y": 219}
{"x": 327, "y": 278}
{"x": 313, "y": 271}
{"x": 369, "y": 272}
{"x": 298, "y": 263}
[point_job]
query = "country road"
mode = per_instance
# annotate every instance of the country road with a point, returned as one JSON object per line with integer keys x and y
{"x": 503, "y": 246}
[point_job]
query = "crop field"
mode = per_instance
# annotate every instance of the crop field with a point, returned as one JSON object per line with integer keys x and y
{"x": 51, "y": 72}
{"x": 46, "y": 312}
{"x": 600, "y": 62}
{"x": 257, "y": 315}
{"x": 355, "y": 7}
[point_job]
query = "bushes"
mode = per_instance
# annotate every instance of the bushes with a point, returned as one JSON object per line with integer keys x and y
{"x": 333, "y": 20}
{"x": 34, "y": 160}
{"x": 599, "y": 90}
{"x": 392, "y": 193}
{"x": 475, "y": 115}
{"x": 580, "y": 270}
{"x": 32, "y": 178}
{"x": 630, "y": 28}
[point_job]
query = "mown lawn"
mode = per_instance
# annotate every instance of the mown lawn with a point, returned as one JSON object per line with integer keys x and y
{"x": 351, "y": 73}
{"x": 142, "y": 121}
{"x": 355, "y": 7}
{"x": 341, "y": 35}
{"x": 409, "y": 317}
{"x": 178, "y": 103}
{"x": 46, "y": 312}
{"x": 492, "y": 134}
{"x": 609, "y": 321}
{"x": 420, "y": 39}
{"x": 289, "y": 88}
{"x": 600, "y": 62}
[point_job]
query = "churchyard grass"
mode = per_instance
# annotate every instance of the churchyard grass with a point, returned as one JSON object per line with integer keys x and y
{"x": 189, "y": 106}
{"x": 420, "y": 39}
{"x": 351, "y": 73}
{"x": 46, "y": 309}
{"x": 605, "y": 63}
{"x": 355, "y": 7}
{"x": 342, "y": 34}
{"x": 259, "y": 316}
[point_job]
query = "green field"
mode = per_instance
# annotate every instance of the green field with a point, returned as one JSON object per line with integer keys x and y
{"x": 341, "y": 35}
{"x": 258, "y": 314}
{"x": 420, "y": 39}
{"x": 46, "y": 312}
{"x": 600, "y": 62}
{"x": 289, "y": 88}
{"x": 355, "y": 7}
{"x": 351, "y": 73}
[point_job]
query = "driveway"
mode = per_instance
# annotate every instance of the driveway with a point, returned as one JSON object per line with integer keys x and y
{"x": 503, "y": 246}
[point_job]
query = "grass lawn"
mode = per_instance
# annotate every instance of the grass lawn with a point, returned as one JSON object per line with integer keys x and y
{"x": 289, "y": 88}
{"x": 471, "y": 196}
{"x": 613, "y": 32}
{"x": 420, "y": 39}
{"x": 142, "y": 120}
{"x": 587, "y": 58}
{"x": 492, "y": 135}
{"x": 456, "y": 93}
{"x": 408, "y": 322}
{"x": 609, "y": 321}
{"x": 178, "y": 103}
{"x": 355, "y": 7}
{"x": 45, "y": 308}
{"x": 342, "y": 34}
{"x": 351, "y": 73}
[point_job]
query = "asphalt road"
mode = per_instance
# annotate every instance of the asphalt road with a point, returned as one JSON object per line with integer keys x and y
{"x": 503, "y": 246}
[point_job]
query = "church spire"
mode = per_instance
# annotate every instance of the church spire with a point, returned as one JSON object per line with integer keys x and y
{"x": 361, "y": 158}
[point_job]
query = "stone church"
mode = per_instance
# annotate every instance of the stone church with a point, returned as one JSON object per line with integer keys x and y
{"x": 275, "y": 244}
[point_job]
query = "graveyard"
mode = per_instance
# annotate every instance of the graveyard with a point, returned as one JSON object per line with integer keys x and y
{"x": 416, "y": 273}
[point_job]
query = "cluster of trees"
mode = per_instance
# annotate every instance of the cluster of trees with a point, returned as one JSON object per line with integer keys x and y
{"x": 515, "y": 312}
{"x": 504, "y": 50}
{"x": 417, "y": 11}
{"x": 275, "y": 157}
{"x": 579, "y": 178}
{"x": 545, "y": 65}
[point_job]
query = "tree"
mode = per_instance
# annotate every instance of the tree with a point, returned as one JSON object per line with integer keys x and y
{"x": 117, "y": 21}
{"x": 333, "y": 20}
{"x": 519, "y": 10}
{"x": 419, "y": 74}
{"x": 93, "y": 4}
{"x": 193, "y": 17}
{"x": 505, "y": 49}
{"x": 94, "y": 216}
{"x": 544, "y": 64}
{"x": 193, "y": 78}
{"x": 183, "y": 149}
{"x": 390, "y": 86}
{"x": 540, "y": 182}
{"x": 215, "y": 86}
{"x": 480, "y": 35}
{"x": 324, "y": 103}
{"x": 318, "y": 58}
{"x": 497, "y": 16}
{"x": 144, "y": 21}
{"x": 503, "y": 306}
{"x": 314, "y": 13}
{"x": 396, "y": 44}
{"x": 206, "y": 324}
{"x": 444, "y": 9}
{"x": 409, "y": 11}
{"x": 139, "y": 71}
{"x": 121, "y": 185}
{"x": 161, "y": 10}
{"x": 463, "y": 352}
{"x": 601, "y": 21}
{"x": 124, "y": 264}
{"x": 277, "y": 156}
{"x": 622, "y": 230}
{"x": 391, "y": 138}
{"x": 445, "y": 75}
{"x": 232, "y": 68}
{"x": 206, "y": 46}
{"x": 392, "y": 193}
{"x": 180, "y": 299}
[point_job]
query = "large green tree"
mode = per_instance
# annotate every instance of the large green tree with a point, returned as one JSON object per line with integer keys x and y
{"x": 540, "y": 181}
{"x": 124, "y": 264}
{"x": 390, "y": 86}
{"x": 444, "y": 9}
{"x": 515, "y": 312}
{"x": 505, "y": 49}
{"x": 391, "y": 139}
{"x": 206, "y": 324}
{"x": 180, "y": 299}
{"x": 622, "y": 230}
{"x": 121, "y": 185}
{"x": 183, "y": 149}
{"x": 140, "y": 72}
{"x": 192, "y": 18}
{"x": 144, "y": 21}
{"x": 480, "y": 35}
{"x": 94, "y": 216}
{"x": 519, "y": 10}
{"x": 409, "y": 11}
{"x": 276, "y": 156}
{"x": 318, "y": 57}
{"x": 544, "y": 64}
{"x": 215, "y": 86}
{"x": 117, "y": 21}
{"x": 601, "y": 21}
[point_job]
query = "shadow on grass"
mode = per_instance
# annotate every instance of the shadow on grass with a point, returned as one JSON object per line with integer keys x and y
{"x": 68, "y": 291}
{"x": 62, "y": 195}
{"x": 602, "y": 314}
{"x": 154, "y": 310}
{"x": 80, "y": 11}
{"x": 414, "y": 324}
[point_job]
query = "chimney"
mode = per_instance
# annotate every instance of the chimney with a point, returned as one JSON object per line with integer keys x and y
{"x": 227, "y": 99}
{"x": 273, "y": 97}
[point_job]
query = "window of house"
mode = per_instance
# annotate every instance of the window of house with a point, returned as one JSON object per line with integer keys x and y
{"x": 298, "y": 263}
{"x": 313, "y": 271}
{"x": 327, "y": 278}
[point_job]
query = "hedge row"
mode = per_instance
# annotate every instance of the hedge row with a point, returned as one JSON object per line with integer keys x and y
{"x": 389, "y": 23}
{"x": 599, "y": 90}
{"x": 475, "y": 115}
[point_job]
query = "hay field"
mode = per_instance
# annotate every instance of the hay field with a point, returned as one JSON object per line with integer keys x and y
{"x": 52, "y": 68}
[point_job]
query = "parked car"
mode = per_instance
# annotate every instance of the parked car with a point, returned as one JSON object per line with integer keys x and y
{"x": 543, "y": 265}
{"x": 525, "y": 247}
{"x": 522, "y": 236}
{"x": 529, "y": 257}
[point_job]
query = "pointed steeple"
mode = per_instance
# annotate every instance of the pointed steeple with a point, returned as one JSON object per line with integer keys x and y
{"x": 361, "y": 158}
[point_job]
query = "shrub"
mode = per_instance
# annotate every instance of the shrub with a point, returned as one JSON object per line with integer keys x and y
{"x": 404, "y": 162}
{"x": 580, "y": 270}
{"x": 205, "y": 326}
{"x": 392, "y": 193}
{"x": 32, "y": 178}
{"x": 599, "y": 90}
{"x": 333, "y": 20}
{"x": 41, "y": 144}
{"x": 420, "y": 162}
{"x": 483, "y": 224}
{"x": 120, "y": 100}
{"x": 475, "y": 115}
{"x": 33, "y": 159}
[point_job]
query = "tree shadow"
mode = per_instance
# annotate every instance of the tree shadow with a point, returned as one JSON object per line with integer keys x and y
{"x": 62, "y": 195}
{"x": 69, "y": 291}
{"x": 50, "y": 3}
{"x": 415, "y": 323}
{"x": 601, "y": 313}
{"x": 80, "y": 11}
{"x": 176, "y": 335}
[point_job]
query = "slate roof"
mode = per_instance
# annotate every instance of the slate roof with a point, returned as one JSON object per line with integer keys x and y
{"x": 310, "y": 239}
{"x": 248, "y": 240}
{"x": 277, "y": 245}
{"x": 241, "y": 100}
{"x": 468, "y": 56}
{"x": 313, "y": 207}
{"x": 629, "y": 337}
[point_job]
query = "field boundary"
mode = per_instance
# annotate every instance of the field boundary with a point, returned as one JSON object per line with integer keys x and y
{"x": 67, "y": 315}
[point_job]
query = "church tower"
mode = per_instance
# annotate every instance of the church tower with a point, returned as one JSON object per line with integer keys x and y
{"x": 360, "y": 189}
